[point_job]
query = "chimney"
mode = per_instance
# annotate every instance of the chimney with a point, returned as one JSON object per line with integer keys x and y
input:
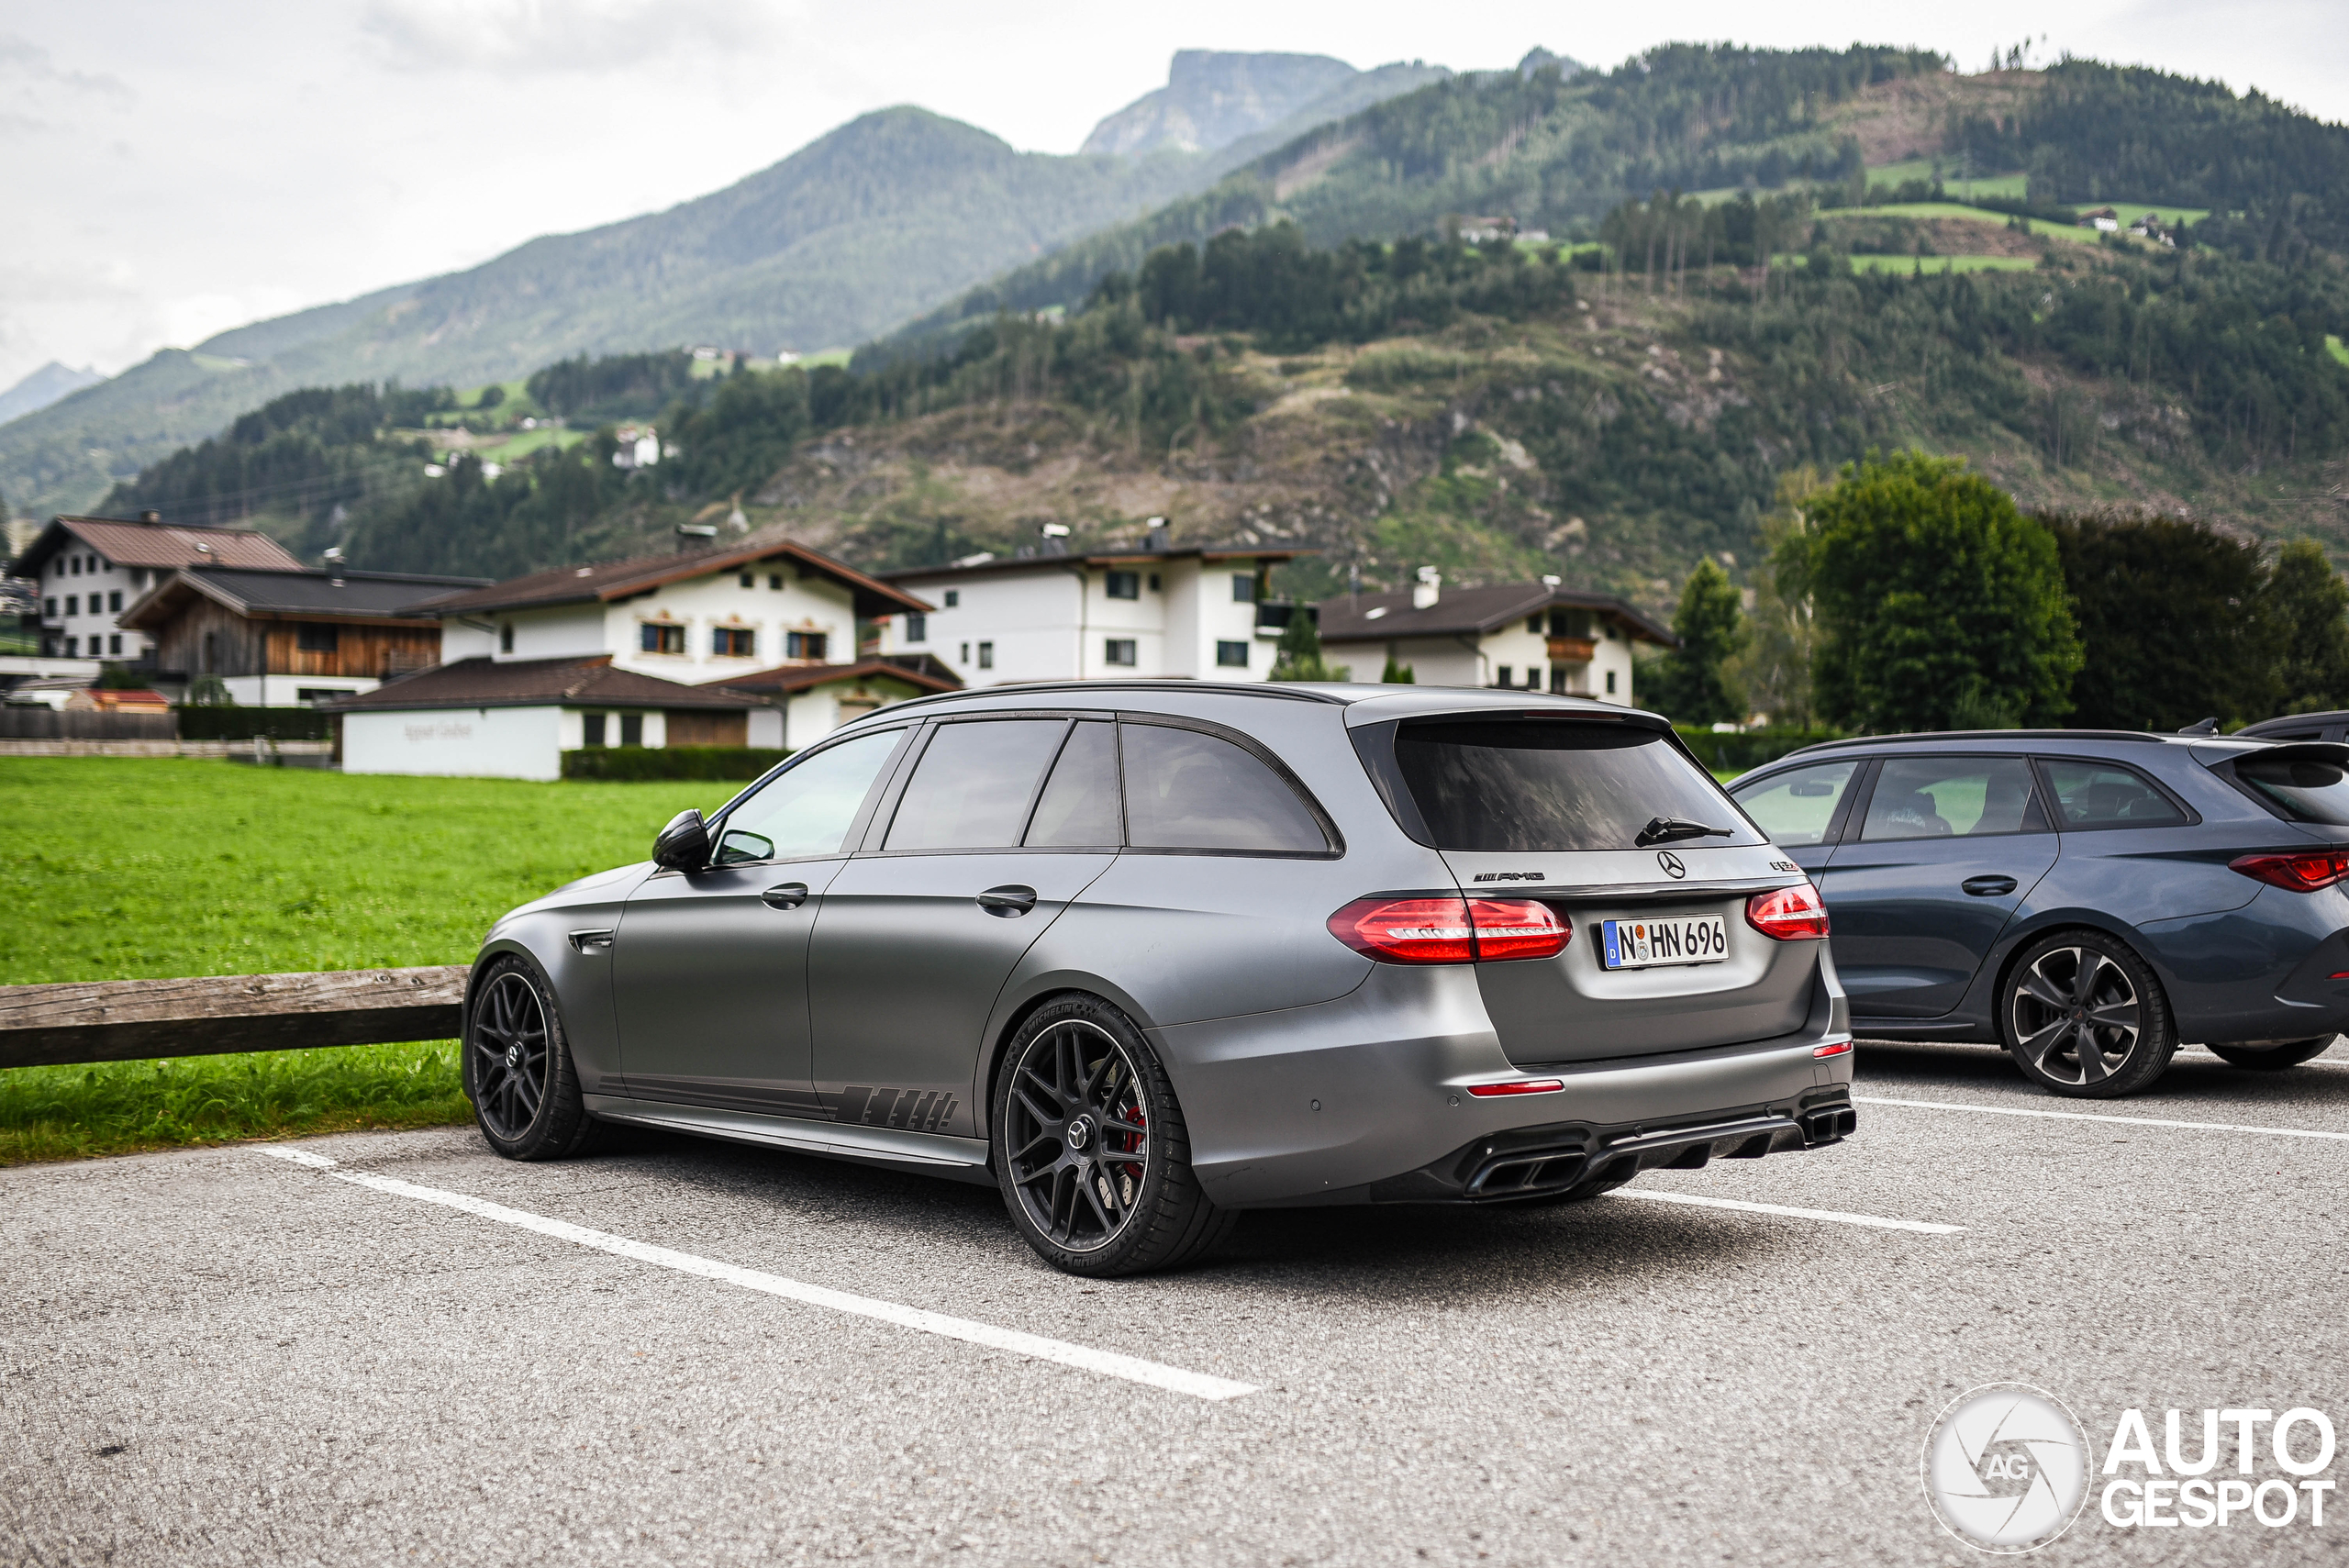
{"x": 1429, "y": 588}
{"x": 1055, "y": 540}
{"x": 150, "y": 516}
{"x": 691, "y": 535}
{"x": 1160, "y": 537}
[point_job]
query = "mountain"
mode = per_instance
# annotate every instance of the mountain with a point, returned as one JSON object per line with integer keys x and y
{"x": 43, "y": 387}
{"x": 1212, "y": 99}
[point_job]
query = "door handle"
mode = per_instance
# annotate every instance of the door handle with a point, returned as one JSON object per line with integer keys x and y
{"x": 789, "y": 895}
{"x": 1008, "y": 901}
{"x": 1989, "y": 886}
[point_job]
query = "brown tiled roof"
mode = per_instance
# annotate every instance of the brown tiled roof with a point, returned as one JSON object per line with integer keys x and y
{"x": 1382, "y": 617}
{"x": 793, "y": 678}
{"x": 1138, "y": 557}
{"x": 610, "y": 580}
{"x": 129, "y": 543}
{"x": 484, "y": 681}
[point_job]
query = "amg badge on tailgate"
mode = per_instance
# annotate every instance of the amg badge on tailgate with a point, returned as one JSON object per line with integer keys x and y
{"x": 1513, "y": 876}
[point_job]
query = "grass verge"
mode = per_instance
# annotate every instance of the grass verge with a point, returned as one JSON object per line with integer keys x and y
{"x": 126, "y": 1108}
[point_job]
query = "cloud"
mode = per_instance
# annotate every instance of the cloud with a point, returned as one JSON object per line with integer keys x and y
{"x": 565, "y": 35}
{"x": 27, "y": 61}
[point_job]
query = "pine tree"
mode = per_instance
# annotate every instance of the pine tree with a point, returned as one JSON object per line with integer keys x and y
{"x": 1299, "y": 658}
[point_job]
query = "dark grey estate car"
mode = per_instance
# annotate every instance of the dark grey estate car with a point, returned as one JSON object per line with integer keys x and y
{"x": 1144, "y": 954}
{"x": 2085, "y": 898}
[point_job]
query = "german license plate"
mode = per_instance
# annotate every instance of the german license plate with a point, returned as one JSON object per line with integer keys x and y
{"x": 1673, "y": 938}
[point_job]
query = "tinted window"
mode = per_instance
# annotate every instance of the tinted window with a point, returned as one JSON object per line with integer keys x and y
{"x": 1079, "y": 806}
{"x": 1189, "y": 791}
{"x": 974, "y": 783}
{"x": 2306, "y": 789}
{"x": 2105, "y": 795}
{"x": 1533, "y": 786}
{"x": 1941, "y": 797}
{"x": 807, "y": 808}
{"x": 1796, "y": 808}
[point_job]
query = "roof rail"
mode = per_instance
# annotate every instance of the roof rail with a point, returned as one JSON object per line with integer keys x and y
{"x": 1983, "y": 735}
{"x": 1281, "y": 689}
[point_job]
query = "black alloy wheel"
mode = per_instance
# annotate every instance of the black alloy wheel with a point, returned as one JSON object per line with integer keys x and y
{"x": 517, "y": 1067}
{"x": 2272, "y": 1056}
{"x": 1091, "y": 1149}
{"x": 509, "y": 1052}
{"x": 2084, "y": 1017}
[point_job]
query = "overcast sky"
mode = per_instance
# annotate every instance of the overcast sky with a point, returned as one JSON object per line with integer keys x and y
{"x": 173, "y": 170}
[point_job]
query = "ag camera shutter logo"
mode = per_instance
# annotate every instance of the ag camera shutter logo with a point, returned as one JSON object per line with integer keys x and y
{"x": 2006, "y": 1468}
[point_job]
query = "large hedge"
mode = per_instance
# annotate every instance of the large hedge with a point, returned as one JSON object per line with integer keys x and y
{"x": 244, "y": 723}
{"x": 634, "y": 763}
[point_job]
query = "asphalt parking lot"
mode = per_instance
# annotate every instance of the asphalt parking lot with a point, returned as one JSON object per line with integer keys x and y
{"x": 223, "y": 1357}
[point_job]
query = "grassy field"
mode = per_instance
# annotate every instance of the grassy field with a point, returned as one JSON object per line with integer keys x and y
{"x": 124, "y": 869}
{"x": 2011, "y": 186}
{"x": 2333, "y": 343}
{"x": 522, "y": 442}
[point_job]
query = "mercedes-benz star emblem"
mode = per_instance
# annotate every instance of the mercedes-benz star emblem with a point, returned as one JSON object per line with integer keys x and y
{"x": 1080, "y": 1132}
{"x": 1671, "y": 864}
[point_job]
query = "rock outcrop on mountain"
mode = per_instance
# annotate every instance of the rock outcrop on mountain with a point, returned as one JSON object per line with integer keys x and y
{"x": 1213, "y": 98}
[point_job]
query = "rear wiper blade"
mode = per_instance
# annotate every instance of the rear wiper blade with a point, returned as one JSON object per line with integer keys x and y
{"x": 1672, "y": 830}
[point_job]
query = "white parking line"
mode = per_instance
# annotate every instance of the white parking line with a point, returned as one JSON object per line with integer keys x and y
{"x": 1199, "y": 1386}
{"x": 1921, "y": 1226}
{"x": 2090, "y": 1116}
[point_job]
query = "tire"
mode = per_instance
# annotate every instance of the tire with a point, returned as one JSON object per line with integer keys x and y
{"x": 518, "y": 1068}
{"x": 2276, "y": 1057}
{"x": 2084, "y": 1017}
{"x": 1079, "y": 1083}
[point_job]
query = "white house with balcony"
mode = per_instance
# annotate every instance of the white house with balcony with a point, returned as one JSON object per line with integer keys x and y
{"x": 1164, "y": 609}
{"x": 89, "y": 569}
{"x": 1534, "y": 636}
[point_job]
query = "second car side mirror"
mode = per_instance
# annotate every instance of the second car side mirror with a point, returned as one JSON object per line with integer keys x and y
{"x": 684, "y": 844}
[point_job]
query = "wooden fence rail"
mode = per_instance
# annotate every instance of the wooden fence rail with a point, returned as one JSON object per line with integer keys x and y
{"x": 123, "y": 1020}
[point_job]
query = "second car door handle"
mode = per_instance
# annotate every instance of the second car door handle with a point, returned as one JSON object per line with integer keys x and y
{"x": 789, "y": 896}
{"x": 1989, "y": 886}
{"x": 1007, "y": 901}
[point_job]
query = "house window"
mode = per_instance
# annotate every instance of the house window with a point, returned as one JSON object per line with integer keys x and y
{"x": 749, "y": 579}
{"x": 505, "y": 637}
{"x": 1118, "y": 651}
{"x": 113, "y": 644}
{"x": 49, "y": 606}
{"x": 954, "y": 597}
{"x": 72, "y": 603}
{"x": 804, "y": 645}
{"x": 986, "y": 655}
{"x": 1509, "y": 677}
{"x": 1610, "y": 683}
{"x": 1122, "y": 585}
{"x": 1533, "y": 677}
{"x": 662, "y": 638}
{"x": 1244, "y": 587}
{"x": 591, "y": 729}
{"x": 774, "y": 580}
{"x": 114, "y": 601}
{"x": 916, "y": 629}
{"x": 733, "y": 641}
{"x": 1153, "y": 582}
{"x": 632, "y": 729}
{"x": 77, "y": 566}
{"x": 1231, "y": 655}
{"x": 966, "y": 658}
{"x": 311, "y": 696}
{"x": 313, "y": 637}
{"x": 70, "y": 647}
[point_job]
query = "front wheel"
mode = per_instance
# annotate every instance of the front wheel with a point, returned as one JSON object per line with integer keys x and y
{"x": 517, "y": 1067}
{"x": 2275, "y": 1056}
{"x": 2084, "y": 1017}
{"x": 1091, "y": 1149}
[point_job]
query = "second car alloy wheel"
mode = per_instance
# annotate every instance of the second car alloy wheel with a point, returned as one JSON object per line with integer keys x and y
{"x": 2086, "y": 1017}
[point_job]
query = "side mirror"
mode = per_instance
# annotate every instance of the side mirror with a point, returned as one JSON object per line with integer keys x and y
{"x": 684, "y": 844}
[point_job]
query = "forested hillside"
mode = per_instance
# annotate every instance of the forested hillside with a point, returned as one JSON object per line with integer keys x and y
{"x": 1493, "y": 410}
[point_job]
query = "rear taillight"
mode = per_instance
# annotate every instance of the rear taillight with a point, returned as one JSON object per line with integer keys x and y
{"x": 2296, "y": 872}
{"x": 1787, "y": 914}
{"x": 1450, "y": 930}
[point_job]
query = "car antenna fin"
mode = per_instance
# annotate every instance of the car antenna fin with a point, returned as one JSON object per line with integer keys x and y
{"x": 2201, "y": 726}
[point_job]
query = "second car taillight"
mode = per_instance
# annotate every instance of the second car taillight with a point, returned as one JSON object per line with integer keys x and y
{"x": 2303, "y": 872}
{"x": 1450, "y": 930}
{"x": 1787, "y": 914}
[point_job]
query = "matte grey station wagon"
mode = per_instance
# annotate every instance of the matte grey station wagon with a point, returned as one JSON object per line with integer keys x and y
{"x": 1143, "y": 955}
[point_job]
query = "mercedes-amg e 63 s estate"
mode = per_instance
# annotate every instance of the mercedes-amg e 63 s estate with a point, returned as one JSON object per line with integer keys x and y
{"x": 1144, "y": 954}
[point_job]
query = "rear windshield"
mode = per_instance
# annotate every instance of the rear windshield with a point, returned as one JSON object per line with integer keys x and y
{"x": 1537, "y": 784}
{"x": 2306, "y": 789}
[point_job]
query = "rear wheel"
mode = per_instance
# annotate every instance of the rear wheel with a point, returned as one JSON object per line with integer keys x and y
{"x": 2084, "y": 1017}
{"x": 2275, "y": 1056}
{"x": 1091, "y": 1149}
{"x": 517, "y": 1067}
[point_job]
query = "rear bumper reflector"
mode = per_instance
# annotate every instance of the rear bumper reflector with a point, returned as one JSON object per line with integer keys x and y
{"x": 1519, "y": 1086}
{"x": 1832, "y": 1048}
